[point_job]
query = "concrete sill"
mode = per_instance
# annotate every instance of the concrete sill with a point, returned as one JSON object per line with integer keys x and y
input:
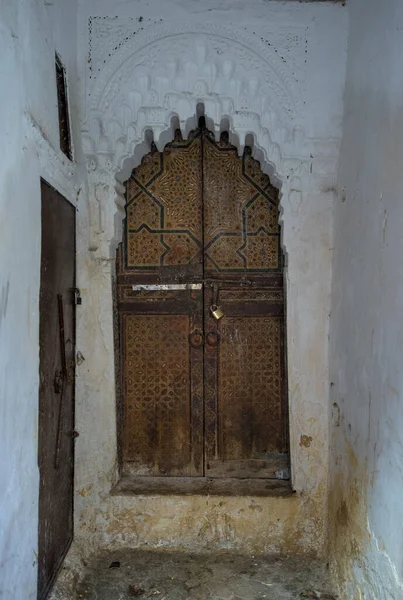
{"x": 200, "y": 486}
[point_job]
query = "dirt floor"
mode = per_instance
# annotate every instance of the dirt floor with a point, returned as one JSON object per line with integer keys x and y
{"x": 163, "y": 575}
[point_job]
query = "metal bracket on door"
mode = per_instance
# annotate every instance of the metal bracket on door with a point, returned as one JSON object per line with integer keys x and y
{"x": 63, "y": 378}
{"x": 168, "y": 286}
{"x": 215, "y": 309}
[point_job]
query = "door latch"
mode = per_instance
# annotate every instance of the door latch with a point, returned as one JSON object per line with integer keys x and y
{"x": 216, "y": 311}
{"x": 77, "y": 298}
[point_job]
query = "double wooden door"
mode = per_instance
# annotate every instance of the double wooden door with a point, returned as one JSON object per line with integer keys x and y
{"x": 201, "y": 395}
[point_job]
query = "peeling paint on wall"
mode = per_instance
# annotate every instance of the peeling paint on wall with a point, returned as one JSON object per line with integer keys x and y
{"x": 365, "y": 506}
{"x": 30, "y": 33}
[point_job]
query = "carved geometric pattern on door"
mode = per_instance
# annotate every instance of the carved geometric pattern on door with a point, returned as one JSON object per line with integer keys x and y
{"x": 201, "y": 193}
{"x": 201, "y": 396}
{"x": 241, "y": 228}
{"x": 164, "y": 207}
{"x": 250, "y": 382}
{"x": 157, "y": 407}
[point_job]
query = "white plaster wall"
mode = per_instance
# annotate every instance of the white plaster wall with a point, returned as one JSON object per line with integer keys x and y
{"x": 366, "y": 359}
{"x": 30, "y": 31}
{"x": 132, "y": 79}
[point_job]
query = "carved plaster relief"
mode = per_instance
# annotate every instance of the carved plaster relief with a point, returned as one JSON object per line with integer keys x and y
{"x": 141, "y": 74}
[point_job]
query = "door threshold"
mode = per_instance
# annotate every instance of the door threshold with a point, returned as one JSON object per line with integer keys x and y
{"x": 131, "y": 485}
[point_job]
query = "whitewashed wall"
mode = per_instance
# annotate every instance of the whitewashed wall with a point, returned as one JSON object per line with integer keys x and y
{"x": 276, "y": 71}
{"x": 366, "y": 359}
{"x": 29, "y": 149}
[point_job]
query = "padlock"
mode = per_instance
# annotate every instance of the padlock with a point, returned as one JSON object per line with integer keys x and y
{"x": 216, "y": 311}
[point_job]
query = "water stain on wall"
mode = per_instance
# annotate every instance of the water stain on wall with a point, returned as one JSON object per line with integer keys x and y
{"x": 349, "y": 536}
{"x": 4, "y": 300}
{"x": 306, "y": 441}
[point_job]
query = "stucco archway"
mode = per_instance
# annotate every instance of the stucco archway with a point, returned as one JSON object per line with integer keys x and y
{"x": 167, "y": 72}
{"x": 150, "y": 85}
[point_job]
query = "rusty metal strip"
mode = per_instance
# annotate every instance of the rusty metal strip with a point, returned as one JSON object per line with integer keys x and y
{"x": 63, "y": 377}
{"x": 197, "y": 386}
{"x": 169, "y": 286}
{"x": 210, "y": 385}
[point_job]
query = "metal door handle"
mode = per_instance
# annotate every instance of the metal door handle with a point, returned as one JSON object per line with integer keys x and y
{"x": 213, "y": 338}
{"x": 196, "y": 339}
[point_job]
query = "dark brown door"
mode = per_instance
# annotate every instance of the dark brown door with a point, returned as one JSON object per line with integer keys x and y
{"x": 245, "y": 385}
{"x": 160, "y": 299}
{"x": 246, "y": 419}
{"x": 200, "y": 395}
{"x": 56, "y": 391}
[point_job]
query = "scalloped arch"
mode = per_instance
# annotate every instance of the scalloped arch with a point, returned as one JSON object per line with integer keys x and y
{"x": 167, "y": 71}
{"x": 248, "y": 49}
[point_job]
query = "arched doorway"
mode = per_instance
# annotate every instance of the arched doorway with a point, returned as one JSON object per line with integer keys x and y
{"x": 202, "y": 316}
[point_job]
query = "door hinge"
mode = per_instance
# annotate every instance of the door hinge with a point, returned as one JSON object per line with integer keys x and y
{"x": 77, "y": 298}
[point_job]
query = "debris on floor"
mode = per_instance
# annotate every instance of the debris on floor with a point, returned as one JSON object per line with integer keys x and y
{"x": 134, "y": 591}
{"x": 168, "y": 575}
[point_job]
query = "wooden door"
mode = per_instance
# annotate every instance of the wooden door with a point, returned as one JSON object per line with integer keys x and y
{"x": 245, "y": 383}
{"x": 160, "y": 303}
{"x": 246, "y": 418}
{"x": 56, "y": 391}
{"x": 202, "y": 230}
{"x": 161, "y": 333}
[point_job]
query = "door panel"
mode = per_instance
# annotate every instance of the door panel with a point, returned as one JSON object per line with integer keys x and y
{"x": 162, "y": 338}
{"x": 56, "y": 392}
{"x": 245, "y": 383}
{"x": 197, "y": 213}
{"x": 164, "y": 213}
{"x": 241, "y": 218}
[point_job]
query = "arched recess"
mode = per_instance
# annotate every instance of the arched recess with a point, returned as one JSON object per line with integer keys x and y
{"x": 162, "y": 75}
{"x": 200, "y": 295}
{"x": 141, "y": 95}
